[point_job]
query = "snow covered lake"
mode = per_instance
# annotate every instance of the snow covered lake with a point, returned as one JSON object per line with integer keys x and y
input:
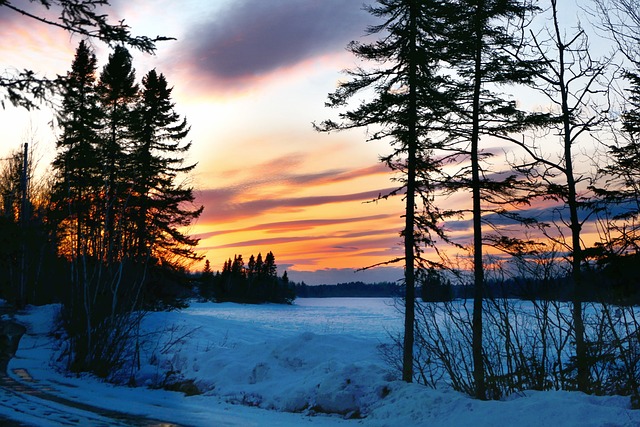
{"x": 365, "y": 317}
{"x": 273, "y": 365}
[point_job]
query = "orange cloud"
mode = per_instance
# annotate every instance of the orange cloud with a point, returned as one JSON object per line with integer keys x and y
{"x": 226, "y": 206}
{"x": 297, "y": 225}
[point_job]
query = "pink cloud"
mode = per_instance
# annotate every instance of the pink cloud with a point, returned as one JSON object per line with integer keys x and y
{"x": 224, "y": 205}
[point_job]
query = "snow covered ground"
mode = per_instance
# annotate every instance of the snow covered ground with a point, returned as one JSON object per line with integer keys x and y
{"x": 272, "y": 365}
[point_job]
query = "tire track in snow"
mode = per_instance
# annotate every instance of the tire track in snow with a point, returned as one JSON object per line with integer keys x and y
{"x": 33, "y": 404}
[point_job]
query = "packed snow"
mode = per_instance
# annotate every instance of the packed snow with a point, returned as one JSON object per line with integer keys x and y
{"x": 317, "y": 362}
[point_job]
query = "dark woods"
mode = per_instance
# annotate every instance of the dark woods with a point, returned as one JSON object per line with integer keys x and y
{"x": 103, "y": 235}
{"x": 28, "y": 253}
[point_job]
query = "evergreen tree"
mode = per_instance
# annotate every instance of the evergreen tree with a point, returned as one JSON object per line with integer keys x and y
{"x": 120, "y": 205}
{"x": 238, "y": 284}
{"x": 118, "y": 93}
{"x": 631, "y": 117}
{"x": 251, "y": 267}
{"x": 76, "y": 164}
{"x": 207, "y": 268}
{"x": 620, "y": 198}
{"x": 237, "y": 268}
{"x": 158, "y": 202}
{"x": 270, "y": 269}
{"x": 11, "y": 187}
{"x": 76, "y": 199}
{"x": 482, "y": 44}
{"x": 409, "y": 101}
{"x": 259, "y": 265}
{"x": 207, "y": 282}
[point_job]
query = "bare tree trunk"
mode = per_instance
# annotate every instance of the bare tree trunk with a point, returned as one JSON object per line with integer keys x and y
{"x": 574, "y": 220}
{"x": 24, "y": 214}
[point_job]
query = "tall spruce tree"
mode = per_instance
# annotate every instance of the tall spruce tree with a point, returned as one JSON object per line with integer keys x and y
{"x": 159, "y": 202}
{"x": 621, "y": 191}
{"x": 270, "y": 269}
{"x": 483, "y": 38}
{"x": 76, "y": 196}
{"x": 408, "y": 99}
{"x": 118, "y": 93}
{"x": 631, "y": 117}
{"x": 76, "y": 163}
{"x": 121, "y": 206}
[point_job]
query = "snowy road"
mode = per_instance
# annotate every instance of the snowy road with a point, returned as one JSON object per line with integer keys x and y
{"x": 28, "y": 403}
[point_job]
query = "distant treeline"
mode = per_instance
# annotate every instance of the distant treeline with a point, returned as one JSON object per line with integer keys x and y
{"x": 350, "y": 289}
{"x": 617, "y": 282}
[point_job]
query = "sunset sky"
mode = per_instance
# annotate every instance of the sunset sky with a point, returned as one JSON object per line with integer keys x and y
{"x": 250, "y": 76}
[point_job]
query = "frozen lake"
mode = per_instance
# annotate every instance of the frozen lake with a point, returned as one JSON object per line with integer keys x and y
{"x": 365, "y": 317}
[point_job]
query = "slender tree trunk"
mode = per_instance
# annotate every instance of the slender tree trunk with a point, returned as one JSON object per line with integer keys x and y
{"x": 112, "y": 146}
{"x": 478, "y": 267}
{"x": 576, "y": 262}
{"x": 142, "y": 250}
{"x": 409, "y": 243}
{"x": 574, "y": 220}
{"x": 24, "y": 217}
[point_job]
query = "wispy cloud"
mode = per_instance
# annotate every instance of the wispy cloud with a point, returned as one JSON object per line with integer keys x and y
{"x": 254, "y": 192}
{"x": 353, "y": 244}
{"x": 252, "y": 38}
{"x": 279, "y": 171}
{"x": 298, "y": 225}
{"x": 226, "y": 205}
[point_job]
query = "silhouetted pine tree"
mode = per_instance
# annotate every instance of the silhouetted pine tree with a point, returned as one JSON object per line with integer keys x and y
{"x": 121, "y": 207}
{"x": 237, "y": 283}
{"x": 26, "y": 240}
{"x": 78, "y": 205}
{"x": 631, "y": 117}
{"x": 408, "y": 102}
{"x": 159, "y": 204}
{"x": 251, "y": 267}
{"x": 259, "y": 265}
{"x": 207, "y": 279}
{"x": 621, "y": 196}
{"x": 483, "y": 38}
{"x": 78, "y": 172}
{"x": 118, "y": 93}
{"x": 270, "y": 269}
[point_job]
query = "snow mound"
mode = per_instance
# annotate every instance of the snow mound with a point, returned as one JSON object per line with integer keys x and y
{"x": 301, "y": 372}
